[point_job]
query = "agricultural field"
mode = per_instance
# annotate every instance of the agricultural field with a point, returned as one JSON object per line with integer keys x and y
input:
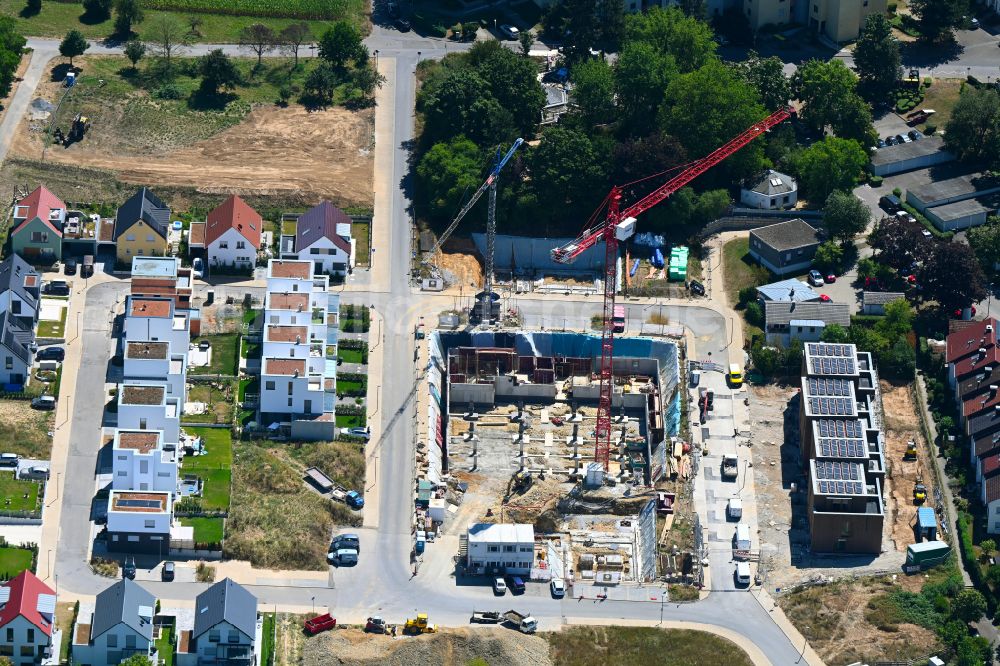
{"x": 221, "y": 20}
{"x": 150, "y": 126}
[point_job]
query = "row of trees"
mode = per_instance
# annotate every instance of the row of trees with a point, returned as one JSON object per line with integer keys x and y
{"x": 11, "y": 46}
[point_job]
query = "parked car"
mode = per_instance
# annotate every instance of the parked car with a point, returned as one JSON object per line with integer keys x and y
{"x": 890, "y": 203}
{"x": 516, "y": 584}
{"x": 499, "y": 586}
{"x": 359, "y": 432}
{"x": 815, "y": 278}
{"x": 44, "y": 402}
{"x": 902, "y": 138}
{"x": 50, "y": 354}
{"x": 128, "y": 568}
{"x": 558, "y": 588}
{"x": 890, "y": 141}
{"x": 831, "y": 278}
{"x": 914, "y": 134}
{"x": 9, "y": 459}
{"x": 824, "y": 298}
{"x": 880, "y": 144}
{"x": 39, "y": 472}
{"x": 198, "y": 267}
{"x": 742, "y": 574}
{"x": 402, "y": 24}
{"x": 69, "y": 268}
{"x": 342, "y": 541}
{"x": 167, "y": 573}
{"x": 87, "y": 267}
{"x": 510, "y": 31}
{"x": 345, "y": 557}
{"x": 697, "y": 288}
{"x": 56, "y": 288}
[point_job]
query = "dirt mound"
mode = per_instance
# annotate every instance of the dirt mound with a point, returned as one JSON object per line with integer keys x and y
{"x": 459, "y": 646}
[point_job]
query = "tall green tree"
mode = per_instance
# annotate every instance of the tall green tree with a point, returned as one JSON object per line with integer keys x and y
{"x": 98, "y": 10}
{"x": 321, "y": 82}
{"x": 823, "y": 88}
{"x": 828, "y": 165}
{"x": 448, "y": 173}
{"x": 687, "y": 39}
{"x": 340, "y": 44}
{"x": 973, "y": 132}
{"x": 854, "y": 121}
{"x": 969, "y": 605}
{"x": 259, "y": 38}
{"x": 593, "y": 91}
{"x": 937, "y": 18}
{"x": 512, "y": 81}
{"x": 11, "y": 45}
{"x": 292, "y": 37}
{"x": 127, "y": 14}
{"x": 134, "y": 51}
{"x": 693, "y": 113}
{"x": 633, "y": 159}
{"x": 217, "y": 71}
{"x": 877, "y": 60}
{"x": 72, "y": 45}
{"x": 568, "y": 172}
{"x": 985, "y": 242}
{"x": 767, "y": 76}
{"x": 527, "y": 40}
{"x": 951, "y": 276}
{"x": 463, "y": 104}
{"x": 642, "y": 74}
{"x": 845, "y": 216}
{"x": 585, "y": 25}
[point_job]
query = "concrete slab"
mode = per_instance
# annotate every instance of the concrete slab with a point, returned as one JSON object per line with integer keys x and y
{"x": 52, "y": 309}
{"x": 198, "y": 358}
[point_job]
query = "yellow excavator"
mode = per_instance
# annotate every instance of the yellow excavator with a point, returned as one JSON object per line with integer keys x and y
{"x": 911, "y": 451}
{"x": 919, "y": 492}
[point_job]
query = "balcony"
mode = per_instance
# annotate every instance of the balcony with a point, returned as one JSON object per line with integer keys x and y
{"x": 318, "y": 316}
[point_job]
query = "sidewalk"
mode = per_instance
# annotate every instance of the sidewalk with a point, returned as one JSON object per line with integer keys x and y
{"x": 372, "y": 404}
{"x": 386, "y": 181}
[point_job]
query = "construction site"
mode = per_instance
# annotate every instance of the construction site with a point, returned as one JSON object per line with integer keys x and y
{"x": 514, "y": 418}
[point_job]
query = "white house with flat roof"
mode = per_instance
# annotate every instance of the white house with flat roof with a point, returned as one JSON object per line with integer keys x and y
{"x": 139, "y": 522}
{"x": 141, "y": 462}
{"x": 501, "y": 548}
{"x": 149, "y": 407}
{"x": 156, "y": 320}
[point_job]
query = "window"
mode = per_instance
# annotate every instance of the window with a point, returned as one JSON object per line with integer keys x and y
{"x": 142, "y": 424}
{"x": 39, "y": 237}
{"x": 509, "y": 549}
{"x": 122, "y": 457}
{"x": 815, "y": 9}
{"x": 130, "y": 237}
{"x": 214, "y": 635}
{"x": 9, "y": 363}
{"x": 31, "y": 635}
{"x": 268, "y": 386}
{"x": 788, "y": 256}
{"x": 290, "y": 388}
{"x": 6, "y": 650}
{"x": 10, "y": 635}
{"x": 149, "y": 238}
{"x": 122, "y": 473}
{"x": 150, "y": 524}
{"x": 144, "y": 467}
{"x": 112, "y": 640}
{"x": 134, "y": 538}
{"x": 223, "y": 245}
{"x": 130, "y": 641}
{"x": 15, "y": 307}
{"x": 234, "y": 636}
{"x": 240, "y": 245}
{"x": 526, "y": 549}
{"x": 27, "y": 650}
{"x": 140, "y": 252}
{"x": 163, "y": 474}
{"x": 496, "y": 549}
{"x": 289, "y": 402}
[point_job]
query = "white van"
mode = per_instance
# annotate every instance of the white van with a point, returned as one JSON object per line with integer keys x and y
{"x": 742, "y": 573}
{"x": 741, "y": 539}
{"x": 734, "y": 509}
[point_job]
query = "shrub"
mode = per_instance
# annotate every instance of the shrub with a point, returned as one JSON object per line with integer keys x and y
{"x": 875, "y": 181}
{"x": 930, "y": 129}
{"x": 169, "y": 91}
{"x": 754, "y": 314}
{"x": 205, "y": 573}
{"x": 928, "y": 81}
{"x": 898, "y": 192}
{"x": 747, "y": 295}
{"x": 892, "y": 7}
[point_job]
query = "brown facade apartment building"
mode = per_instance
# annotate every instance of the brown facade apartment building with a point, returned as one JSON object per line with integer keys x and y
{"x": 842, "y": 447}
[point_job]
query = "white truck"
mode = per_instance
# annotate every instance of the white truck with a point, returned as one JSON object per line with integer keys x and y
{"x": 524, "y": 623}
{"x": 730, "y": 466}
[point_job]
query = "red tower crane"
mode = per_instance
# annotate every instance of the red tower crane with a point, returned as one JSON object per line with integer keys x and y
{"x": 619, "y": 224}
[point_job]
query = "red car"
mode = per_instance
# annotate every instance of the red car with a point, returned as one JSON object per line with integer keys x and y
{"x": 830, "y": 279}
{"x": 825, "y": 298}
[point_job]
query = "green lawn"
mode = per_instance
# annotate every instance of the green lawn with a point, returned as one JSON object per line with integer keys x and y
{"x": 739, "y": 268}
{"x": 360, "y": 232}
{"x": 248, "y": 385}
{"x": 206, "y": 530}
{"x": 57, "y": 18}
{"x": 267, "y": 640}
{"x": 214, "y": 468}
{"x": 65, "y": 619}
{"x": 51, "y": 328}
{"x": 17, "y": 494}
{"x": 225, "y": 355}
{"x": 351, "y": 420}
{"x": 13, "y": 561}
{"x": 642, "y": 646}
{"x": 218, "y": 407}
{"x": 165, "y": 645}
{"x": 352, "y": 355}
{"x": 349, "y": 386}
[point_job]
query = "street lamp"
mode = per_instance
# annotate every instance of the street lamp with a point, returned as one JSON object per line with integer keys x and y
{"x": 376, "y": 59}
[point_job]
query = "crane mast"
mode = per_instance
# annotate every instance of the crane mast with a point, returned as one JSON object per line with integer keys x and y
{"x": 618, "y": 225}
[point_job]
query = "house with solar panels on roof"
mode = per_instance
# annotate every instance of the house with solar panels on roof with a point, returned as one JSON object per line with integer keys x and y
{"x": 843, "y": 449}
{"x": 28, "y": 631}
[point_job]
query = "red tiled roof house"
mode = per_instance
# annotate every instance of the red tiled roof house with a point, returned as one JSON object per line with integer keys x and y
{"x": 230, "y": 236}
{"x": 27, "y": 620}
{"x": 37, "y": 227}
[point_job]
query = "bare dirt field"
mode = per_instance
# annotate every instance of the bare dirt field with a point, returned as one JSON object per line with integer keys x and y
{"x": 274, "y": 151}
{"x": 352, "y": 647}
{"x": 24, "y": 430}
{"x": 833, "y": 618}
{"x": 902, "y": 425}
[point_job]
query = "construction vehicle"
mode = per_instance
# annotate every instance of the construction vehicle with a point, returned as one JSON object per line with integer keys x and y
{"x": 524, "y": 623}
{"x": 80, "y": 126}
{"x": 376, "y": 625}
{"x": 419, "y": 625}
{"x": 522, "y": 480}
{"x": 730, "y": 467}
{"x": 619, "y": 225}
{"x": 491, "y": 226}
{"x": 919, "y": 493}
{"x": 486, "y": 617}
{"x": 911, "y": 451}
{"x": 319, "y": 623}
